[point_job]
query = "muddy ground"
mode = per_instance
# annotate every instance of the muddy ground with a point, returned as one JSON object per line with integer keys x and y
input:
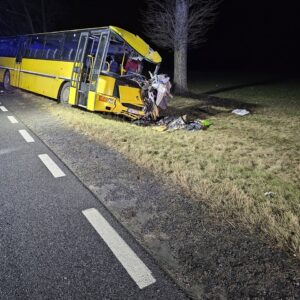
{"x": 207, "y": 256}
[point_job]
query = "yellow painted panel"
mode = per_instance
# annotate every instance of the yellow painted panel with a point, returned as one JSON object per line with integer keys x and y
{"x": 14, "y": 76}
{"x": 44, "y": 76}
{"x": 48, "y": 67}
{"x": 130, "y": 95}
{"x": 102, "y": 106}
{"x": 40, "y": 85}
{"x": 1, "y": 74}
{"x": 39, "y": 76}
{"x": 72, "y": 96}
{"x": 7, "y": 63}
{"x": 91, "y": 101}
{"x": 106, "y": 85}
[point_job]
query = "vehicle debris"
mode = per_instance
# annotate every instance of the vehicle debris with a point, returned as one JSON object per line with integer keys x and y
{"x": 241, "y": 112}
{"x": 172, "y": 123}
{"x": 156, "y": 93}
{"x": 270, "y": 194}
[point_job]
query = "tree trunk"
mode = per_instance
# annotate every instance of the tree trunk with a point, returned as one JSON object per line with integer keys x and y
{"x": 180, "y": 69}
{"x": 180, "y": 46}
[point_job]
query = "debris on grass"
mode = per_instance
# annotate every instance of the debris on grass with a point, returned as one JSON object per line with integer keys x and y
{"x": 270, "y": 194}
{"x": 172, "y": 123}
{"x": 241, "y": 112}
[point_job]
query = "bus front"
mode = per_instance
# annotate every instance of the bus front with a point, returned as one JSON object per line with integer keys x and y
{"x": 126, "y": 66}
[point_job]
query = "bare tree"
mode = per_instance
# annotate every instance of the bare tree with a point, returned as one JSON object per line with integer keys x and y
{"x": 176, "y": 25}
{"x": 28, "y": 16}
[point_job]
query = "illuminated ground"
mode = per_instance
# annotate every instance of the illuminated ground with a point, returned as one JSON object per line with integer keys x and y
{"x": 206, "y": 244}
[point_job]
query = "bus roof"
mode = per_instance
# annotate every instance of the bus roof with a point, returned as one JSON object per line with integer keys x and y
{"x": 138, "y": 44}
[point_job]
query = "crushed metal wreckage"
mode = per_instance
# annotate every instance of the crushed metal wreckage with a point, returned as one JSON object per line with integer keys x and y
{"x": 156, "y": 94}
{"x": 172, "y": 123}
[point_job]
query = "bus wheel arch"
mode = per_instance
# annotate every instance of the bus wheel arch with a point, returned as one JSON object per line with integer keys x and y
{"x": 6, "y": 80}
{"x": 64, "y": 91}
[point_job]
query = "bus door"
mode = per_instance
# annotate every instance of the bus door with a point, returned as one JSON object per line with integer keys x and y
{"x": 15, "y": 80}
{"x": 75, "y": 92}
{"x": 97, "y": 66}
{"x": 87, "y": 67}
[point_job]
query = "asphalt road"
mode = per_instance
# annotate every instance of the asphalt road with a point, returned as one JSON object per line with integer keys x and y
{"x": 56, "y": 239}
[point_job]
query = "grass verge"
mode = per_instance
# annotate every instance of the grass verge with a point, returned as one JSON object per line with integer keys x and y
{"x": 230, "y": 166}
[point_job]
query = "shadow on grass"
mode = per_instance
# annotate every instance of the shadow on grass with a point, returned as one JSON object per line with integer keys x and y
{"x": 246, "y": 85}
{"x": 208, "y": 105}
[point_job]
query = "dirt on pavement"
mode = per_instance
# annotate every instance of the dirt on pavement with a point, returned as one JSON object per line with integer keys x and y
{"x": 209, "y": 257}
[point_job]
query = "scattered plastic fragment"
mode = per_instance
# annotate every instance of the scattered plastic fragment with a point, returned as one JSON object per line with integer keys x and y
{"x": 241, "y": 112}
{"x": 206, "y": 123}
{"x": 270, "y": 194}
{"x": 178, "y": 123}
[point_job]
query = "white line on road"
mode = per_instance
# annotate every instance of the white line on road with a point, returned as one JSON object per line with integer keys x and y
{"x": 12, "y": 119}
{"x": 27, "y": 137}
{"x": 137, "y": 270}
{"x": 3, "y": 108}
{"x": 51, "y": 166}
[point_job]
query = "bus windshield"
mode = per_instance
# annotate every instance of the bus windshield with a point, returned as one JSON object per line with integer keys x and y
{"x": 125, "y": 61}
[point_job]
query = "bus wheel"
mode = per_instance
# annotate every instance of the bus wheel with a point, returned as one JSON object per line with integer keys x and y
{"x": 6, "y": 81}
{"x": 64, "y": 93}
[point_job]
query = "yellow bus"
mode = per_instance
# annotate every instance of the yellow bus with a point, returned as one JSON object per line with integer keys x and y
{"x": 96, "y": 68}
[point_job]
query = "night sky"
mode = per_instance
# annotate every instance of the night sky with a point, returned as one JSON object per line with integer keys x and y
{"x": 248, "y": 35}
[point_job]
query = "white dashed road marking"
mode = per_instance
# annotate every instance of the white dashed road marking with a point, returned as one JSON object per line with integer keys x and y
{"x": 137, "y": 270}
{"x": 27, "y": 137}
{"x": 12, "y": 119}
{"x": 3, "y": 108}
{"x": 51, "y": 166}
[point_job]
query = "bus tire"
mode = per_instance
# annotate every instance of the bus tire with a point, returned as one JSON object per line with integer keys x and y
{"x": 6, "y": 81}
{"x": 64, "y": 93}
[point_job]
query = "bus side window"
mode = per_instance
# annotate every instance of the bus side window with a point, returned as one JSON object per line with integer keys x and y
{"x": 39, "y": 47}
{"x": 47, "y": 53}
{"x": 54, "y": 53}
{"x": 8, "y": 47}
{"x": 22, "y": 48}
{"x": 71, "y": 54}
{"x": 13, "y": 47}
{"x": 3, "y": 47}
{"x": 70, "y": 45}
{"x": 2, "y": 43}
{"x": 27, "y": 50}
{"x": 53, "y": 46}
{"x": 36, "y": 47}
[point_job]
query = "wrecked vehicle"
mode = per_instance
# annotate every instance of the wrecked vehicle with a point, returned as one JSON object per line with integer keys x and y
{"x": 101, "y": 69}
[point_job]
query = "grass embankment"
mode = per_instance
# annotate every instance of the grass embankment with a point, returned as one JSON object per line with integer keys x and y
{"x": 232, "y": 164}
